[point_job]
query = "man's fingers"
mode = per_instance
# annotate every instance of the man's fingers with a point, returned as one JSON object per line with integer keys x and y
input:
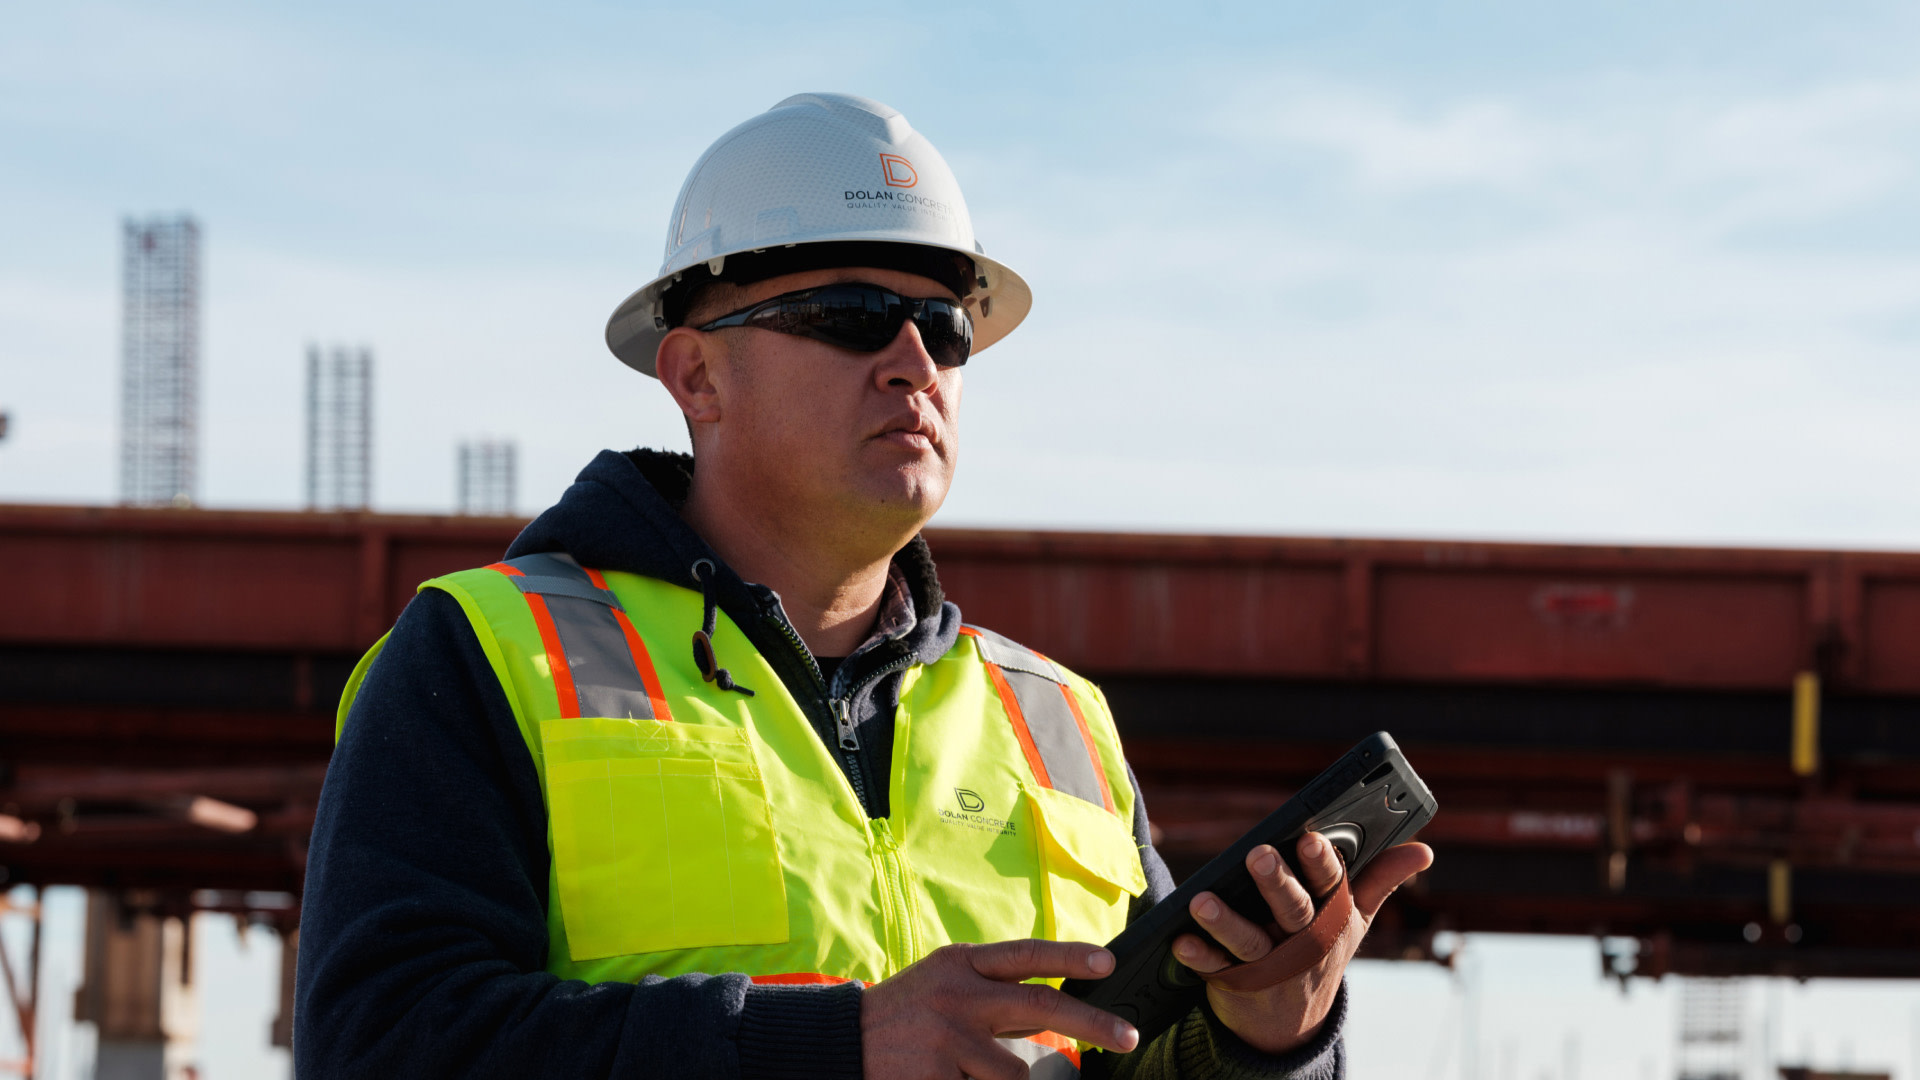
{"x": 1320, "y": 865}
{"x": 1033, "y": 958}
{"x": 991, "y": 1061}
{"x": 1018, "y": 1006}
{"x": 1039, "y": 1007}
{"x": 941, "y": 1016}
{"x": 1288, "y": 900}
{"x": 1230, "y": 928}
{"x": 1200, "y": 956}
{"x": 1387, "y": 872}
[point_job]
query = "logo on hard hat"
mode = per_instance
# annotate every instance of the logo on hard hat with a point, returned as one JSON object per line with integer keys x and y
{"x": 897, "y": 171}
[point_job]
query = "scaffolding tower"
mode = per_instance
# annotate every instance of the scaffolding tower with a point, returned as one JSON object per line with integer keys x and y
{"x": 160, "y": 361}
{"x": 1712, "y": 1015}
{"x": 487, "y": 469}
{"x": 339, "y": 428}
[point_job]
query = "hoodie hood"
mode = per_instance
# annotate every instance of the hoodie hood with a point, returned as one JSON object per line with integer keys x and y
{"x": 622, "y": 513}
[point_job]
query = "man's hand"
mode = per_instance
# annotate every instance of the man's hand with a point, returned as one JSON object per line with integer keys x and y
{"x": 939, "y": 1018}
{"x": 1284, "y": 1017}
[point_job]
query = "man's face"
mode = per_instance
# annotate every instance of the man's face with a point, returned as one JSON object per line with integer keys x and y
{"x": 819, "y": 431}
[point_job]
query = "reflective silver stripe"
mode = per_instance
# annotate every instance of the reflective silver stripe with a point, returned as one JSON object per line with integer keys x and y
{"x": 557, "y": 565}
{"x": 1013, "y": 656}
{"x": 1041, "y": 691}
{"x": 1056, "y": 735}
{"x": 605, "y": 676}
{"x": 546, "y": 585}
{"x": 1043, "y": 1062}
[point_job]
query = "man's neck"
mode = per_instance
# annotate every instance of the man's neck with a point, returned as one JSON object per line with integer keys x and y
{"x": 831, "y": 585}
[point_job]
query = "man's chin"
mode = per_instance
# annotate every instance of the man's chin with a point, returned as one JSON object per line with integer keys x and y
{"x": 906, "y": 495}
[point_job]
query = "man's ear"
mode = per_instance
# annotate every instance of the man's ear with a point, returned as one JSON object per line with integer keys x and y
{"x": 685, "y": 363}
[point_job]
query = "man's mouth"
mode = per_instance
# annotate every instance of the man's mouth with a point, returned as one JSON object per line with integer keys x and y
{"x": 913, "y": 431}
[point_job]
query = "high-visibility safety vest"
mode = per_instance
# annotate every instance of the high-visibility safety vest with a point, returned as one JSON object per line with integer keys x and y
{"x": 697, "y": 830}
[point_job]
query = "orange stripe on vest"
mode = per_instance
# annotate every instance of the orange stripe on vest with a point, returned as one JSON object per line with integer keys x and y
{"x": 550, "y": 637}
{"x": 642, "y": 660}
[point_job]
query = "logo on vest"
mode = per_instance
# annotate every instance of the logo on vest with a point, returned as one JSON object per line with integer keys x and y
{"x": 972, "y": 814}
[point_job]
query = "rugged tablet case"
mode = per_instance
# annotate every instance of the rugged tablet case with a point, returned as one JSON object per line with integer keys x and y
{"x": 1363, "y": 804}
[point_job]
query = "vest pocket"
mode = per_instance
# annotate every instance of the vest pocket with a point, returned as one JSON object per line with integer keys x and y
{"x": 1092, "y": 866}
{"x": 661, "y": 836}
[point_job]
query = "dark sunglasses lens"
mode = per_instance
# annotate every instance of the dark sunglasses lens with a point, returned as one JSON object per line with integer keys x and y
{"x": 858, "y": 317}
{"x": 866, "y": 318}
{"x": 838, "y": 315}
{"x": 946, "y": 330}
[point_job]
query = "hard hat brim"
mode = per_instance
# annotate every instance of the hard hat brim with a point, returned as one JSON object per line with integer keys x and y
{"x": 634, "y": 335}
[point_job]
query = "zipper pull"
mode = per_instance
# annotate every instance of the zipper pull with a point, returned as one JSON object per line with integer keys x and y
{"x": 843, "y": 722}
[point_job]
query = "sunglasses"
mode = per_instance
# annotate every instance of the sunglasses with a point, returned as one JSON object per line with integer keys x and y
{"x": 862, "y": 317}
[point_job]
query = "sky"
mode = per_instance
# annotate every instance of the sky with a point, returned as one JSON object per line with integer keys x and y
{"x": 1641, "y": 272}
{"x": 1495, "y": 270}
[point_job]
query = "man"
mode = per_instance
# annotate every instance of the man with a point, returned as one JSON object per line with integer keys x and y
{"x": 837, "y": 834}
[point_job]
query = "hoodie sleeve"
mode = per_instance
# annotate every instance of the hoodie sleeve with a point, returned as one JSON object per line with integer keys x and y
{"x": 423, "y": 936}
{"x": 1200, "y": 1046}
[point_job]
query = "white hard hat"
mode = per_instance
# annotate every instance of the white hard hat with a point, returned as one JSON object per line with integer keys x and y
{"x": 819, "y": 169}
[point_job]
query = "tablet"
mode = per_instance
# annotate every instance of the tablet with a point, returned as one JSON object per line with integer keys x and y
{"x": 1366, "y": 802}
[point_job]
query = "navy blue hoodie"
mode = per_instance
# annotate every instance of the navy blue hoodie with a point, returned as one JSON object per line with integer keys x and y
{"x": 423, "y": 936}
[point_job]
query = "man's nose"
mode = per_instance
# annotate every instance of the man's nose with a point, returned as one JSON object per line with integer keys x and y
{"x": 905, "y": 362}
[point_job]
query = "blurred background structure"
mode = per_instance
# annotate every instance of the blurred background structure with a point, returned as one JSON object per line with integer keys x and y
{"x": 339, "y": 428}
{"x": 487, "y": 471}
{"x": 160, "y": 361}
{"x": 137, "y": 989}
{"x": 1706, "y": 762}
{"x": 1712, "y": 1029}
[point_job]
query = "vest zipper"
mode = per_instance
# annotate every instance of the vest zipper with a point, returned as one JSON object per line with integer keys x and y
{"x": 903, "y": 936}
{"x": 842, "y": 733}
{"x": 849, "y": 737}
{"x": 850, "y": 751}
{"x": 843, "y": 724}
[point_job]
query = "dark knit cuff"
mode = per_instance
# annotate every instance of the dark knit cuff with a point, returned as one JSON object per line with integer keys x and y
{"x": 800, "y": 1031}
{"x": 1323, "y": 1056}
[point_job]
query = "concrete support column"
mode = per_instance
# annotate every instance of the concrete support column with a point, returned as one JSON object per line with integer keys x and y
{"x": 137, "y": 989}
{"x": 283, "y": 1020}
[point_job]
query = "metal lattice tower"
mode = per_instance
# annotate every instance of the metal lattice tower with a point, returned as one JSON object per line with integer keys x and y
{"x": 160, "y": 361}
{"x": 339, "y": 428}
{"x": 1712, "y": 1016}
{"x": 487, "y": 468}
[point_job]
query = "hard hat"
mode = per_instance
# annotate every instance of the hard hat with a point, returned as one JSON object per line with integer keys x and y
{"x": 818, "y": 169}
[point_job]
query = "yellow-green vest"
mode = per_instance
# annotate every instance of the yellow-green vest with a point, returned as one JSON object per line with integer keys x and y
{"x": 698, "y": 830}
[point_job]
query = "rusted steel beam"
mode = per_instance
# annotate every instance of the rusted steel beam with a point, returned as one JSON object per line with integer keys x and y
{"x": 112, "y": 736}
{"x": 38, "y": 788}
{"x": 1393, "y": 610}
{"x": 244, "y": 579}
{"x": 1195, "y": 822}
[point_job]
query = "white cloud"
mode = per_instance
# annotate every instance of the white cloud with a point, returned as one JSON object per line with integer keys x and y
{"x": 1800, "y": 157}
{"x": 1708, "y": 160}
{"x": 1495, "y": 318}
{"x": 1395, "y": 149}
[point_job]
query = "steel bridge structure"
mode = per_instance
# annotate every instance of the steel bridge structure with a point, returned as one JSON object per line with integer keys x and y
{"x": 1708, "y": 759}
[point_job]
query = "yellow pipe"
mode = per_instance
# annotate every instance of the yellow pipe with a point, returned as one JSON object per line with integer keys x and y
{"x": 1779, "y": 891}
{"x": 1806, "y": 723}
